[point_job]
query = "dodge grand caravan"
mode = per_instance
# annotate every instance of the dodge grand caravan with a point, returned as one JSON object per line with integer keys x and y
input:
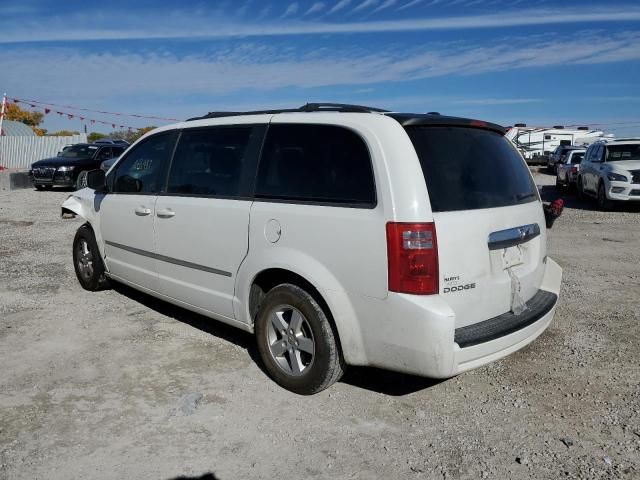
{"x": 339, "y": 235}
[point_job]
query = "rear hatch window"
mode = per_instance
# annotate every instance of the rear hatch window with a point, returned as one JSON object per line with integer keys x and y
{"x": 470, "y": 168}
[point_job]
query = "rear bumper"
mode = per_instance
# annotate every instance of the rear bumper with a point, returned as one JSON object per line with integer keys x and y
{"x": 418, "y": 335}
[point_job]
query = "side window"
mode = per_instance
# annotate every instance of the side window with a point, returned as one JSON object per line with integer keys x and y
{"x": 116, "y": 151}
{"x": 209, "y": 161}
{"x": 316, "y": 163}
{"x": 104, "y": 154}
{"x": 144, "y": 168}
{"x": 598, "y": 154}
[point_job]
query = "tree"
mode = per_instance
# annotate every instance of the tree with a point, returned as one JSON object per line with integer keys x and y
{"x": 130, "y": 135}
{"x": 93, "y": 136}
{"x": 63, "y": 133}
{"x": 17, "y": 114}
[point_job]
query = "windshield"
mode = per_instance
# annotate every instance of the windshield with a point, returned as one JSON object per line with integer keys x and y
{"x": 470, "y": 168}
{"x": 79, "y": 151}
{"x": 623, "y": 152}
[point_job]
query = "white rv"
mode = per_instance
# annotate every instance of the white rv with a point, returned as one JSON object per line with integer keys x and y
{"x": 539, "y": 142}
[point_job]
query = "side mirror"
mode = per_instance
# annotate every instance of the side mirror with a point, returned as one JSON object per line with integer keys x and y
{"x": 97, "y": 180}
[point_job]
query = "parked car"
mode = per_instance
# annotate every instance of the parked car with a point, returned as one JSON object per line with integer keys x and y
{"x": 69, "y": 167}
{"x": 339, "y": 235}
{"x": 558, "y": 156}
{"x": 107, "y": 164}
{"x": 610, "y": 172}
{"x": 567, "y": 169}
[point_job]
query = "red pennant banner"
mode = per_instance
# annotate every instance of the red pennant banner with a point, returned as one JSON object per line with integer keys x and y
{"x": 46, "y": 111}
{"x": 69, "y": 116}
{"x": 113, "y": 125}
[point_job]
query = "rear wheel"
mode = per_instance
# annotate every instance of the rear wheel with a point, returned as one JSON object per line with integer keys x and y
{"x": 580, "y": 189}
{"x": 559, "y": 184}
{"x": 296, "y": 341}
{"x": 39, "y": 187}
{"x": 87, "y": 261}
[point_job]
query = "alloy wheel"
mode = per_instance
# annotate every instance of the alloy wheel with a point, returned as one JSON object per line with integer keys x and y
{"x": 84, "y": 259}
{"x": 290, "y": 340}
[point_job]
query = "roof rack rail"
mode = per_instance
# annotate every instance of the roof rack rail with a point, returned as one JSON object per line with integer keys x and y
{"x": 308, "y": 107}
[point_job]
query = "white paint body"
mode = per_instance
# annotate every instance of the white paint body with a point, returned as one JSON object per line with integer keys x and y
{"x": 341, "y": 251}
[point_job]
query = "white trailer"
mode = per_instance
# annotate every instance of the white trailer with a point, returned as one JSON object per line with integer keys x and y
{"x": 539, "y": 142}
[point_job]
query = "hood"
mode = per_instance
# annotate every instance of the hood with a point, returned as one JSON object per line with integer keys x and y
{"x": 60, "y": 162}
{"x": 625, "y": 164}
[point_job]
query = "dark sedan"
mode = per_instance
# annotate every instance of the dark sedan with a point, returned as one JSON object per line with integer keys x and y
{"x": 69, "y": 168}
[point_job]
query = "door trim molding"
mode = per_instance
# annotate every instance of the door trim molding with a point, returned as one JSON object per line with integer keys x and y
{"x": 163, "y": 258}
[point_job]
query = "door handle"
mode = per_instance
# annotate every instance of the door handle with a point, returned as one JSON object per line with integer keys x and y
{"x": 142, "y": 211}
{"x": 165, "y": 213}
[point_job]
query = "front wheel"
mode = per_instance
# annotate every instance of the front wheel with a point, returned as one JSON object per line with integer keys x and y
{"x": 81, "y": 181}
{"x": 297, "y": 343}
{"x": 604, "y": 203}
{"x": 87, "y": 261}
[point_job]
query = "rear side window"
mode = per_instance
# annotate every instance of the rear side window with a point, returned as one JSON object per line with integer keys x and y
{"x": 209, "y": 161}
{"x": 470, "y": 168}
{"x": 323, "y": 164}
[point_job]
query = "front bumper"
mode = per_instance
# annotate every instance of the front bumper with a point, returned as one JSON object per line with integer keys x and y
{"x": 623, "y": 191}
{"x": 58, "y": 180}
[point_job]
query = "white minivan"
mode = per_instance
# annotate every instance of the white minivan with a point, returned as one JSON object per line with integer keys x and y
{"x": 338, "y": 234}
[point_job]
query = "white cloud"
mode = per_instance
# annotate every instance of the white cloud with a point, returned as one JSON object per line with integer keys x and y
{"x": 254, "y": 67}
{"x": 410, "y": 4}
{"x": 185, "y": 25}
{"x": 364, "y": 5}
{"x": 315, "y": 8}
{"x": 384, "y": 5}
{"x": 292, "y": 9}
{"x": 342, "y": 4}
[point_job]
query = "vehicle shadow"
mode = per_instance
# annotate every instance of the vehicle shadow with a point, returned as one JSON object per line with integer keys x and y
{"x": 393, "y": 384}
{"x": 205, "y": 324}
{"x": 206, "y": 476}
{"x": 373, "y": 379}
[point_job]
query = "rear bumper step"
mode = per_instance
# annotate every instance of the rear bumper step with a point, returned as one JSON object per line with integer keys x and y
{"x": 537, "y": 307}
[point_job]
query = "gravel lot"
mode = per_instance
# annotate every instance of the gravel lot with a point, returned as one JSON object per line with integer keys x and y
{"x": 118, "y": 385}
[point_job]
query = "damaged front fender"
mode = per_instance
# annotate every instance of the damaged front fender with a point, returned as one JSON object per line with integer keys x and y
{"x": 85, "y": 204}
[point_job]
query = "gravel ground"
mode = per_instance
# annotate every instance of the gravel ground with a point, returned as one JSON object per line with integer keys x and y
{"x": 118, "y": 385}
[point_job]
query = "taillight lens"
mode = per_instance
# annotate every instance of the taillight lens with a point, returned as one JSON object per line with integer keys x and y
{"x": 412, "y": 254}
{"x": 574, "y": 169}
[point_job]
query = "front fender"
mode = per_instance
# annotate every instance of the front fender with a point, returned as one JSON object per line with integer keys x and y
{"x": 85, "y": 204}
{"x": 322, "y": 279}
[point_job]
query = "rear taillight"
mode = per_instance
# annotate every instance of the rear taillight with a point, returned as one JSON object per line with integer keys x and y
{"x": 574, "y": 169}
{"x": 412, "y": 254}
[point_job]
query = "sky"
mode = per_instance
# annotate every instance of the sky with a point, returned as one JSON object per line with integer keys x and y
{"x": 539, "y": 62}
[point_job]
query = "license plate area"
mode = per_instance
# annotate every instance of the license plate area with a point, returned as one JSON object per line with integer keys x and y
{"x": 511, "y": 257}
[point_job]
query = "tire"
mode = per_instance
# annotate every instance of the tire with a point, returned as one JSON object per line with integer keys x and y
{"x": 304, "y": 358}
{"x": 604, "y": 203}
{"x": 81, "y": 181}
{"x": 39, "y": 187}
{"x": 579, "y": 189}
{"x": 559, "y": 184}
{"x": 48, "y": 187}
{"x": 87, "y": 261}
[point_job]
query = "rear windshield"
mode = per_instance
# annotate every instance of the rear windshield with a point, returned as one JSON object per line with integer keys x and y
{"x": 577, "y": 157}
{"x": 470, "y": 168}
